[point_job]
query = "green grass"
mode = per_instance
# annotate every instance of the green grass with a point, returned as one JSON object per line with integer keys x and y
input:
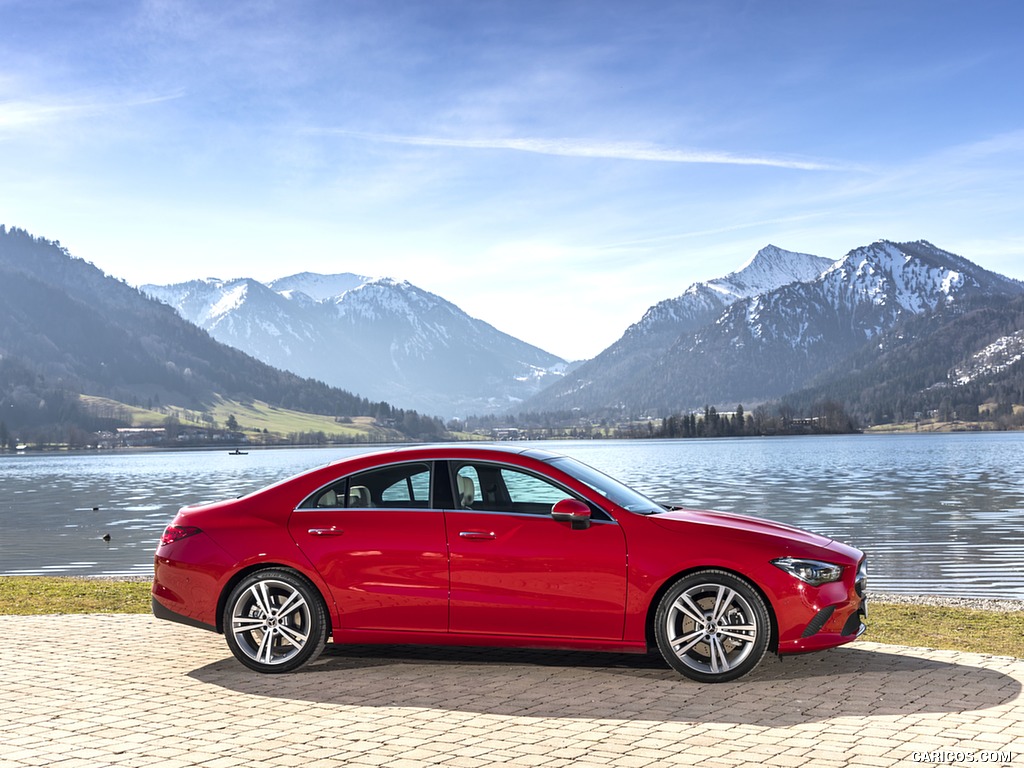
{"x": 255, "y": 416}
{"x": 35, "y": 595}
{"x": 953, "y": 629}
{"x": 252, "y": 417}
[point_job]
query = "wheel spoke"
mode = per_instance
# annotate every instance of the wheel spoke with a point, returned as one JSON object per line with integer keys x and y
{"x": 261, "y": 596}
{"x": 722, "y": 603}
{"x": 265, "y": 653}
{"x": 292, "y": 636}
{"x": 294, "y": 602}
{"x": 240, "y": 624}
{"x": 689, "y": 640}
{"x": 690, "y": 609}
{"x": 736, "y": 633}
{"x": 719, "y": 660}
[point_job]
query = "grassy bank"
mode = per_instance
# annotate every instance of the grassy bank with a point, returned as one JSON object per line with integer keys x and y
{"x": 252, "y": 417}
{"x": 35, "y": 595}
{"x": 954, "y": 629}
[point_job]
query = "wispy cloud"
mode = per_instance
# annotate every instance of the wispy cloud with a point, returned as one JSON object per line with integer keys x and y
{"x": 20, "y": 115}
{"x": 693, "y": 234}
{"x": 606, "y": 150}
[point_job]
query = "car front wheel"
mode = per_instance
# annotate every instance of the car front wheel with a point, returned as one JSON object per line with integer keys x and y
{"x": 275, "y": 621}
{"x": 712, "y": 626}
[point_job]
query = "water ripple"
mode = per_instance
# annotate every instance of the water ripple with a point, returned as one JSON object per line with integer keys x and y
{"x": 940, "y": 514}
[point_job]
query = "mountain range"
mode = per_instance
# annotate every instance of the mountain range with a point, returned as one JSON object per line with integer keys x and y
{"x": 608, "y": 380}
{"x": 67, "y": 329}
{"x": 888, "y": 331}
{"x": 774, "y": 340}
{"x": 383, "y": 338}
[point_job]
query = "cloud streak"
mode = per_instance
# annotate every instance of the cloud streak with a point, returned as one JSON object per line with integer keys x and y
{"x": 602, "y": 150}
{"x": 23, "y": 115}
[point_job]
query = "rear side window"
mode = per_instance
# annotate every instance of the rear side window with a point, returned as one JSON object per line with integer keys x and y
{"x": 405, "y": 486}
{"x": 414, "y": 488}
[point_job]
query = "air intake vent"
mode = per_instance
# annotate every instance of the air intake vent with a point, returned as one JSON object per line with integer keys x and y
{"x": 819, "y": 621}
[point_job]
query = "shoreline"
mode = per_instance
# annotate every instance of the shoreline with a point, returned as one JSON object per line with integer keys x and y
{"x": 897, "y": 430}
{"x": 996, "y": 605}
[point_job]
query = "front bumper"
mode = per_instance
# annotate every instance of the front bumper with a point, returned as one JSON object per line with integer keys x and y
{"x": 834, "y": 615}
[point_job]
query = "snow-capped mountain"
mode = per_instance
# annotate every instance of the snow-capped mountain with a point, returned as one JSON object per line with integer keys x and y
{"x": 770, "y": 268}
{"x": 777, "y": 342}
{"x": 601, "y": 382}
{"x": 861, "y": 295}
{"x": 381, "y": 338}
{"x": 240, "y": 310}
{"x": 764, "y": 341}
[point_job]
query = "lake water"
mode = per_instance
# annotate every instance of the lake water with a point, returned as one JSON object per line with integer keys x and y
{"x": 937, "y": 514}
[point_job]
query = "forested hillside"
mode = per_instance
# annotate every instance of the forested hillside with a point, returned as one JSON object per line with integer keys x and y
{"x": 68, "y": 329}
{"x": 958, "y": 363}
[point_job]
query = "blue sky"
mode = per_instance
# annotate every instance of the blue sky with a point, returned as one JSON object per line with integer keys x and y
{"x": 554, "y": 168}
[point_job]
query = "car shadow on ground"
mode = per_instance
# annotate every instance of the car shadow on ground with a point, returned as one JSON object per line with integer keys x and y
{"x": 842, "y": 682}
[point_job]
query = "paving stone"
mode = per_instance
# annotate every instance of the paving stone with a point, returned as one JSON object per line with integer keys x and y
{"x": 133, "y": 691}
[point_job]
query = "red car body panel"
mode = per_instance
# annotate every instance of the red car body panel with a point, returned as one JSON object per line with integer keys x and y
{"x": 387, "y": 567}
{"x": 525, "y": 575}
{"x": 463, "y": 576}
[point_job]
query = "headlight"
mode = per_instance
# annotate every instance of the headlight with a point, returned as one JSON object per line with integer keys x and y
{"x": 814, "y": 572}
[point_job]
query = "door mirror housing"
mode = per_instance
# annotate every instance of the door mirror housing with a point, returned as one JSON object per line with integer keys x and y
{"x": 572, "y": 511}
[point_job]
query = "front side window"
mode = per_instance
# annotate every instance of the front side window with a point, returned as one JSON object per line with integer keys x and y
{"x": 495, "y": 488}
{"x": 530, "y": 489}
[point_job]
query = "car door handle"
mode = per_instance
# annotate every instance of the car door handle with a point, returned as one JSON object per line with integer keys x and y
{"x": 476, "y": 534}
{"x": 325, "y": 531}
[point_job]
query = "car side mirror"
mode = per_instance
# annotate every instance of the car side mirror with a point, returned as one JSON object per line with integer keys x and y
{"x": 573, "y": 512}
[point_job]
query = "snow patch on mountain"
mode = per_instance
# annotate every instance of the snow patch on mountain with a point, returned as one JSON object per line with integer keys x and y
{"x": 991, "y": 360}
{"x": 316, "y": 286}
{"x": 230, "y": 299}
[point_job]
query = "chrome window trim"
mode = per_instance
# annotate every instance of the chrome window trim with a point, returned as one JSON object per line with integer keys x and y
{"x": 527, "y": 515}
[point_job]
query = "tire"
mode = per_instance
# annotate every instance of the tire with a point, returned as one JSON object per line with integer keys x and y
{"x": 275, "y": 621}
{"x": 712, "y": 626}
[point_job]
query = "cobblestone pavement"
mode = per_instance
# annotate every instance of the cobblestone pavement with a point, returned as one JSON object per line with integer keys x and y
{"x": 104, "y": 690}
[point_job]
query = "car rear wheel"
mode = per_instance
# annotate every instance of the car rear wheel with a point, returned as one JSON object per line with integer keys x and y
{"x": 275, "y": 621}
{"x": 712, "y": 626}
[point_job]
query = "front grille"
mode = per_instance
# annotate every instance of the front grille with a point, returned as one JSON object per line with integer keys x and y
{"x": 862, "y": 578}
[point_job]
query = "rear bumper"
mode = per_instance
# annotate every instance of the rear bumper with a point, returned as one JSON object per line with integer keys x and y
{"x": 161, "y": 611}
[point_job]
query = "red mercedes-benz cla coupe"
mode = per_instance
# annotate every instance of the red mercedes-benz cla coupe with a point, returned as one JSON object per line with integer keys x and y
{"x": 504, "y": 547}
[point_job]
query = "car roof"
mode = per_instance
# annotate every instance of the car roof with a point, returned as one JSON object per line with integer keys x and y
{"x": 457, "y": 450}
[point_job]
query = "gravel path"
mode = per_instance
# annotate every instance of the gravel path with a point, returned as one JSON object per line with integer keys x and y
{"x": 130, "y": 690}
{"x": 1003, "y": 606}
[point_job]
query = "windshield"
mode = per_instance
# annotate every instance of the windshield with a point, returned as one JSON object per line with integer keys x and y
{"x": 610, "y": 488}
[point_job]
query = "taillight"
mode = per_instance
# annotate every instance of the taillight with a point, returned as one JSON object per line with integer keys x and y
{"x": 175, "y": 533}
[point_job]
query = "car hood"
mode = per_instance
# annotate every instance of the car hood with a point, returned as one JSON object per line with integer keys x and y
{"x": 676, "y": 518}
